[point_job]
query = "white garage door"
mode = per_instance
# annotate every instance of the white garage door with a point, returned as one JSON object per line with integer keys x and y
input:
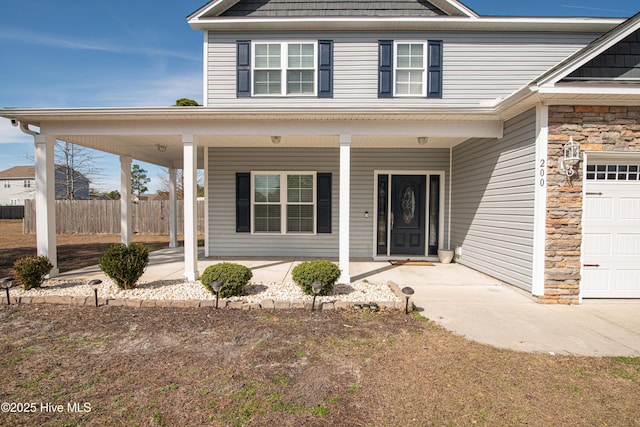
{"x": 611, "y": 230}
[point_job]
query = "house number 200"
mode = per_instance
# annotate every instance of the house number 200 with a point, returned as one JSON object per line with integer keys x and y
{"x": 542, "y": 172}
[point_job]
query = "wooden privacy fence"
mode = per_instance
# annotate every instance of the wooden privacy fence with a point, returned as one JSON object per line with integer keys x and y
{"x": 103, "y": 217}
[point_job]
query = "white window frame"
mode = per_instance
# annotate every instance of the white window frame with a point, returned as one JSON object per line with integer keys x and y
{"x": 284, "y": 203}
{"x": 396, "y": 68}
{"x": 7, "y": 184}
{"x": 284, "y": 67}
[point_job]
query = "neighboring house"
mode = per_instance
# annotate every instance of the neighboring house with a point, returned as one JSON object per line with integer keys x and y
{"x": 19, "y": 184}
{"x": 385, "y": 130}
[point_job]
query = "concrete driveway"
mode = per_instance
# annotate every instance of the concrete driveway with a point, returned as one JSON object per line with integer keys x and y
{"x": 465, "y": 302}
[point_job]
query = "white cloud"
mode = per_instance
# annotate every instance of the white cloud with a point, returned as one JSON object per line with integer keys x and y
{"x": 12, "y": 135}
{"x": 50, "y": 40}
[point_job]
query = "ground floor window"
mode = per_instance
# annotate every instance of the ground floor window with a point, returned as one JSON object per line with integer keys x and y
{"x": 284, "y": 202}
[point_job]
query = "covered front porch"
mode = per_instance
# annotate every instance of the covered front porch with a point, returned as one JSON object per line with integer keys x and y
{"x": 197, "y": 138}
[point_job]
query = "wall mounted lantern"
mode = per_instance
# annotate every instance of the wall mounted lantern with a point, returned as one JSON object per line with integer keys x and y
{"x": 570, "y": 157}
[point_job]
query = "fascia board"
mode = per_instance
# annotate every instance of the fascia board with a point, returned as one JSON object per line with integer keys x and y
{"x": 599, "y": 25}
{"x": 452, "y": 6}
{"x": 217, "y": 7}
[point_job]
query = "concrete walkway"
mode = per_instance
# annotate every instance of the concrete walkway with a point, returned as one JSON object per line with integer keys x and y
{"x": 465, "y": 302}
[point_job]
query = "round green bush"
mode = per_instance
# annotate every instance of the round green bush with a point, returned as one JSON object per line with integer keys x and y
{"x": 325, "y": 272}
{"x": 31, "y": 270}
{"x": 125, "y": 264}
{"x": 233, "y": 277}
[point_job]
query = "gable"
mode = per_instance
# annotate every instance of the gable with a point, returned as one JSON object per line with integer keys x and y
{"x": 331, "y": 8}
{"x": 620, "y": 62}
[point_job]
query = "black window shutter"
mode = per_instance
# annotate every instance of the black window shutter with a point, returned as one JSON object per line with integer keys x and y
{"x": 325, "y": 69}
{"x": 385, "y": 69}
{"x": 323, "y": 215}
{"x": 434, "y": 69}
{"x": 243, "y": 202}
{"x": 243, "y": 68}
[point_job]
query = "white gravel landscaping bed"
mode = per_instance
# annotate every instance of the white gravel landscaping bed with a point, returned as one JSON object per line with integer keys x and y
{"x": 360, "y": 291}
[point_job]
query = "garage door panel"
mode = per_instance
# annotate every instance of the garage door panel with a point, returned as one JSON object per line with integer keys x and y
{"x": 597, "y": 244}
{"x": 611, "y": 230}
{"x": 600, "y": 208}
{"x": 629, "y": 245}
{"x": 627, "y": 280}
{"x": 630, "y": 208}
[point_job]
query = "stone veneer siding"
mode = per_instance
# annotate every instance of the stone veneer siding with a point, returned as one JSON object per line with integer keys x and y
{"x": 596, "y": 128}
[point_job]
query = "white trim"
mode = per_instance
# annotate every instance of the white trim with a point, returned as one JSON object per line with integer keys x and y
{"x": 449, "y": 195}
{"x": 190, "y": 150}
{"x": 585, "y": 162}
{"x": 284, "y": 67}
{"x": 207, "y": 195}
{"x": 425, "y": 65}
{"x": 126, "y": 221}
{"x": 45, "y": 200}
{"x": 284, "y": 202}
{"x": 588, "y": 89}
{"x": 205, "y": 70}
{"x": 540, "y": 200}
{"x": 344, "y": 247}
{"x": 173, "y": 210}
{"x": 441, "y": 216}
{"x": 434, "y": 23}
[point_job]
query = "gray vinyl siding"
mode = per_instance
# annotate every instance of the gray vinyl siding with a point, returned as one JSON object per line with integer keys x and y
{"x": 225, "y": 162}
{"x": 476, "y": 66}
{"x": 493, "y": 202}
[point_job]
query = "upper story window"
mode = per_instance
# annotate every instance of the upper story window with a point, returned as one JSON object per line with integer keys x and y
{"x": 7, "y": 184}
{"x": 27, "y": 183}
{"x": 410, "y": 69}
{"x": 284, "y": 69}
{"x": 300, "y": 68}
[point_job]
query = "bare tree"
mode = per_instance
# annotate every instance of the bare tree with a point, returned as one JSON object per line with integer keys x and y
{"x": 163, "y": 176}
{"x": 76, "y": 169}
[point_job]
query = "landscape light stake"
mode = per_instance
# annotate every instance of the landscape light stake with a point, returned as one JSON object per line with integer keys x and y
{"x": 6, "y": 283}
{"x": 216, "y": 285}
{"x": 316, "y": 287}
{"x": 407, "y": 291}
{"x": 94, "y": 284}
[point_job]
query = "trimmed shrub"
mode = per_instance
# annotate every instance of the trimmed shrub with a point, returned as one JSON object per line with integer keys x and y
{"x": 308, "y": 272}
{"x": 125, "y": 264}
{"x": 232, "y": 276}
{"x": 30, "y": 270}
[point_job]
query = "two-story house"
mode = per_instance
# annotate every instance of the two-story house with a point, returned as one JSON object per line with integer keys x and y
{"x": 18, "y": 184}
{"x": 386, "y": 130}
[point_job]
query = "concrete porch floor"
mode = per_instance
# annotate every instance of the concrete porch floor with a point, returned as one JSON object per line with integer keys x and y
{"x": 461, "y": 300}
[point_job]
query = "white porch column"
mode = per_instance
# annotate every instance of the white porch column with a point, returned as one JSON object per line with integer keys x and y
{"x": 190, "y": 212}
{"x": 46, "y": 200}
{"x": 540, "y": 206}
{"x": 173, "y": 210}
{"x": 125, "y": 200}
{"x": 345, "y": 210}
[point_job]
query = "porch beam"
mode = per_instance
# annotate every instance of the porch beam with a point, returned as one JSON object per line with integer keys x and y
{"x": 126, "y": 217}
{"x": 46, "y": 200}
{"x": 311, "y": 126}
{"x": 190, "y": 212}
{"x": 173, "y": 210}
{"x": 345, "y": 209}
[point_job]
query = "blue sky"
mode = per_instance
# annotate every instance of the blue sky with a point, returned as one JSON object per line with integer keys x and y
{"x": 117, "y": 53}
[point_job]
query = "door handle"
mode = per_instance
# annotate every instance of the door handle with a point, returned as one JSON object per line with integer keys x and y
{"x": 591, "y": 265}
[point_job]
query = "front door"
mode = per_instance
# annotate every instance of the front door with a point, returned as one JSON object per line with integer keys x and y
{"x": 408, "y": 214}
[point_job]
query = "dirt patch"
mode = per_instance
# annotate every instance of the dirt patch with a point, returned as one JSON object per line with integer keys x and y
{"x": 74, "y": 250}
{"x": 170, "y": 366}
